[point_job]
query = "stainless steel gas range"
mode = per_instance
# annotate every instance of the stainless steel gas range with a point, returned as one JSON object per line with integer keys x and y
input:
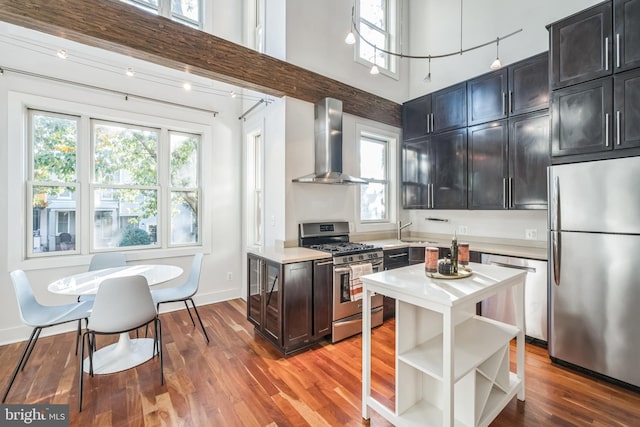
{"x": 333, "y": 237}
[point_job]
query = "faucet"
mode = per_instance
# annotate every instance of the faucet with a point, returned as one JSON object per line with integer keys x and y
{"x": 402, "y": 227}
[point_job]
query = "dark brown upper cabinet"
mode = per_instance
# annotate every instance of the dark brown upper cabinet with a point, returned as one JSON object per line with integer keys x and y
{"x": 487, "y": 97}
{"x": 488, "y": 165}
{"x": 508, "y": 161}
{"x": 529, "y": 85}
{"x": 626, "y": 34}
{"x": 437, "y": 112}
{"x": 521, "y": 88}
{"x": 434, "y": 171}
{"x": 449, "y": 108}
{"x": 581, "y": 46}
{"x": 416, "y": 117}
{"x": 582, "y": 118}
{"x": 627, "y": 109}
{"x": 449, "y": 170}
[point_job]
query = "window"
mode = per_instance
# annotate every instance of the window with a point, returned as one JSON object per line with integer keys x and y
{"x": 374, "y": 197}
{"x": 53, "y": 180}
{"x": 143, "y": 188}
{"x": 187, "y": 12}
{"x": 376, "y": 21}
{"x": 254, "y": 189}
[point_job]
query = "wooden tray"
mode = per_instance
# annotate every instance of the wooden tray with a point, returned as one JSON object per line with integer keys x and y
{"x": 462, "y": 273}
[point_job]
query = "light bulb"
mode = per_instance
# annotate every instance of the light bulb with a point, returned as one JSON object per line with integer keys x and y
{"x": 350, "y": 39}
{"x": 62, "y": 54}
{"x": 374, "y": 70}
{"x": 129, "y": 72}
{"x": 427, "y": 79}
{"x": 187, "y": 86}
{"x": 496, "y": 65}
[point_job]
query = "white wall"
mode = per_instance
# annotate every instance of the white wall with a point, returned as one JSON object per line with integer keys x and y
{"x": 315, "y": 32}
{"x": 496, "y": 224}
{"x": 435, "y": 29}
{"x": 221, "y": 215}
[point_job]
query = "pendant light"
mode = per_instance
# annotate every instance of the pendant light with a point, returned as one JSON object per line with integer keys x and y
{"x": 496, "y": 65}
{"x": 374, "y": 70}
{"x": 427, "y": 79}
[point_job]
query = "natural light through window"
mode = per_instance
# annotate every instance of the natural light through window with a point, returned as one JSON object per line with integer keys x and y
{"x": 374, "y": 198}
{"x": 188, "y": 12}
{"x": 376, "y": 24}
{"x": 134, "y": 169}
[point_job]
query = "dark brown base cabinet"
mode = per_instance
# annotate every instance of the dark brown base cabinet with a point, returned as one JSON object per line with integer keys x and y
{"x": 507, "y": 163}
{"x": 281, "y": 301}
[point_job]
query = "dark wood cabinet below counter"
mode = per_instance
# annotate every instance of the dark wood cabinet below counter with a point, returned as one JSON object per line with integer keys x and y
{"x": 289, "y": 304}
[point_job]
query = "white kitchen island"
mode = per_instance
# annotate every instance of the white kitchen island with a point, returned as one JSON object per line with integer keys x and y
{"x": 452, "y": 366}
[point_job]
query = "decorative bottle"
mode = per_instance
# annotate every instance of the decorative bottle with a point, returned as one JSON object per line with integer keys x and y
{"x": 454, "y": 254}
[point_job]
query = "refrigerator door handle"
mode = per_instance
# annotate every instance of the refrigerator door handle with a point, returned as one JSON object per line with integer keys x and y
{"x": 556, "y": 248}
{"x": 554, "y": 212}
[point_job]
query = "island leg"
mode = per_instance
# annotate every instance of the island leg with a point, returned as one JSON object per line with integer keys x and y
{"x": 366, "y": 352}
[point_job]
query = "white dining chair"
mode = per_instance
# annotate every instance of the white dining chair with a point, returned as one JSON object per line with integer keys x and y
{"x": 122, "y": 304}
{"x": 101, "y": 261}
{"x": 184, "y": 292}
{"x": 40, "y": 316}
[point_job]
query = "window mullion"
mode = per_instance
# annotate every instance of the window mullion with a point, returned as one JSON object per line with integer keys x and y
{"x": 164, "y": 189}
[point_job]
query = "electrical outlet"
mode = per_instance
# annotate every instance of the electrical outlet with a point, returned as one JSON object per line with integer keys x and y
{"x": 531, "y": 234}
{"x": 229, "y": 276}
{"x": 462, "y": 229}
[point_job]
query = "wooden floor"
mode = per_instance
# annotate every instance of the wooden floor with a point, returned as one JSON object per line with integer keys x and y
{"x": 240, "y": 380}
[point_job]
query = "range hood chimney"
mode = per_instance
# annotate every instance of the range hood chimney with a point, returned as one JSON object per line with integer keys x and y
{"x": 328, "y": 146}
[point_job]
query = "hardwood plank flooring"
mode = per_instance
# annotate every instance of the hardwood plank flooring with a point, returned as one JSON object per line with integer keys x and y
{"x": 241, "y": 380}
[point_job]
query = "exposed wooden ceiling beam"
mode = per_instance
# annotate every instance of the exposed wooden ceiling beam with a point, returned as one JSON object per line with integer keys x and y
{"x": 122, "y": 28}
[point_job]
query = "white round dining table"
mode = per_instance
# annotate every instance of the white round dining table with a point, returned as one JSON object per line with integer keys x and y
{"x": 127, "y": 352}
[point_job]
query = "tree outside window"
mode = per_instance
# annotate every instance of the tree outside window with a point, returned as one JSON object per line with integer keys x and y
{"x": 130, "y": 177}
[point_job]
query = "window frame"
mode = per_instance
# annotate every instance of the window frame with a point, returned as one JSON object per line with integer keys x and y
{"x": 390, "y": 138}
{"x": 164, "y": 9}
{"x": 20, "y": 219}
{"x": 391, "y": 32}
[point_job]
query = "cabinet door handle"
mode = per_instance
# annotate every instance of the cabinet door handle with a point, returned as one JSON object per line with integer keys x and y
{"x": 504, "y": 103}
{"x": 606, "y": 53}
{"x": 618, "y": 50}
{"x": 403, "y": 254}
{"x": 510, "y": 192}
{"x": 432, "y": 197}
{"x": 618, "y": 114}
{"x": 606, "y": 129}
{"x": 319, "y": 264}
{"x": 504, "y": 193}
{"x": 432, "y": 124}
{"x": 428, "y": 122}
{"x": 510, "y": 101}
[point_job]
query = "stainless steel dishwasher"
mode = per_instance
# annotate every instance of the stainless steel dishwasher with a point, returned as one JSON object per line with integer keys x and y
{"x": 502, "y": 306}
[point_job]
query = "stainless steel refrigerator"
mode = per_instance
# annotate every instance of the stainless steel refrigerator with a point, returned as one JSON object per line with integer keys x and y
{"x": 594, "y": 261}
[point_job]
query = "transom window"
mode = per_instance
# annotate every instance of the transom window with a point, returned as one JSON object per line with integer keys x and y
{"x": 143, "y": 185}
{"x": 188, "y": 12}
{"x": 376, "y": 20}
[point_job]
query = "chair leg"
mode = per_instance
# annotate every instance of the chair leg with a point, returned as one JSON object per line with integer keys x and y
{"x": 199, "y": 319}
{"x": 78, "y": 334}
{"x": 86, "y": 339}
{"x": 33, "y": 344}
{"x": 189, "y": 311}
{"x": 158, "y": 328}
{"x": 15, "y": 372}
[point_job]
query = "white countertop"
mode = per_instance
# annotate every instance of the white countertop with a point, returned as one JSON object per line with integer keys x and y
{"x": 412, "y": 284}
{"x": 289, "y": 255}
{"x": 532, "y": 250}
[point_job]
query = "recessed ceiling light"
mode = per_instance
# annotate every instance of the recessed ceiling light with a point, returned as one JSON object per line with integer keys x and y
{"x": 233, "y": 94}
{"x": 62, "y": 54}
{"x": 187, "y": 86}
{"x": 129, "y": 72}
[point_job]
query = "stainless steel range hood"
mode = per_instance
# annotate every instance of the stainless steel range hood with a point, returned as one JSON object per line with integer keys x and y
{"x": 328, "y": 144}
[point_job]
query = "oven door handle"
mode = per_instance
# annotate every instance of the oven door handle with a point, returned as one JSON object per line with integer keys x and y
{"x": 348, "y": 269}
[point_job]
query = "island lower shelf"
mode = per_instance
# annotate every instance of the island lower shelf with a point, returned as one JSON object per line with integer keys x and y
{"x": 452, "y": 365}
{"x": 481, "y": 379}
